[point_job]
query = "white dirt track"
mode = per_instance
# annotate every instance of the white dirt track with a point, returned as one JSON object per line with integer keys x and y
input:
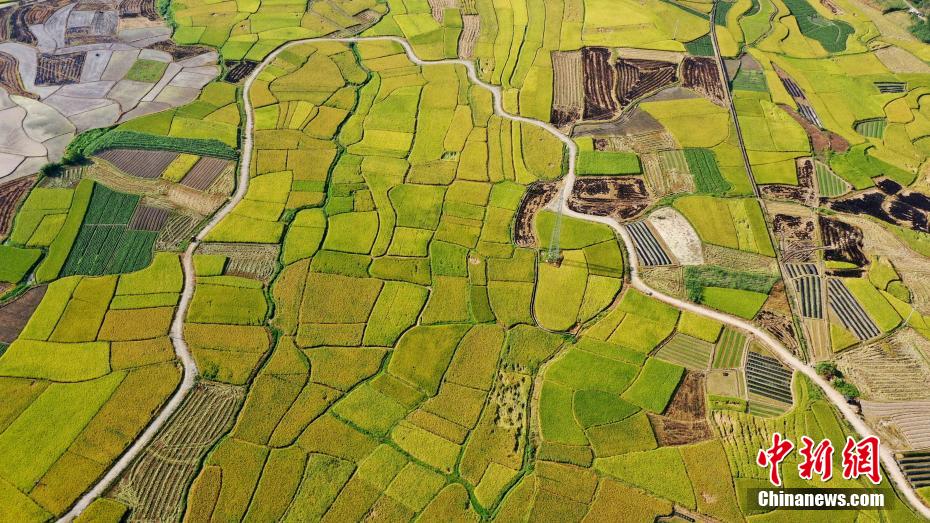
{"x": 190, "y": 368}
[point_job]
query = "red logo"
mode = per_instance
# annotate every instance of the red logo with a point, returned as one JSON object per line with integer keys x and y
{"x": 859, "y": 458}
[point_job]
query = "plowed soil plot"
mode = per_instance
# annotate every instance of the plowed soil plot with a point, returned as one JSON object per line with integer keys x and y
{"x": 907, "y": 209}
{"x": 11, "y": 194}
{"x": 15, "y": 314}
{"x": 821, "y": 140}
{"x": 767, "y": 377}
{"x": 599, "y": 81}
{"x": 59, "y": 69}
{"x": 204, "y": 173}
{"x": 789, "y": 227}
{"x": 10, "y": 80}
{"x": 19, "y": 24}
{"x": 684, "y": 420}
{"x": 640, "y": 77}
{"x": 891, "y": 369}
{"x": 143, "y": 164}
{"x": 702, "y": 75}
{"x": 180, "y": 52}
{"x": 537, "y": 196}
{"x": 155, "y": 485}
{"x": 134, "y": 8}
{"x": 780, "y": 327}
{"x": 843, "y": 242}
{"x": 148, "y": 218}
{"x": 237, "y": 71}
{"x": 621, "y": 198}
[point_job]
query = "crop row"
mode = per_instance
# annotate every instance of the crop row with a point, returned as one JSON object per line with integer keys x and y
{"x": 850, "y": 311}
{"x": 647, "y": 247}
{"x": 767, "y": 377}
{"x": 729, "y": 352}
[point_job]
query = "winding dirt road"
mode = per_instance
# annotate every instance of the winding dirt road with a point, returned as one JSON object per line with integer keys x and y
{"x": 190, "y": 368}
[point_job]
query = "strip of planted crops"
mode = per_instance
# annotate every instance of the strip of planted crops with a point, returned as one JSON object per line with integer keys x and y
{"x": 647, "y": 246}
{"x": 807, "y": 284}
{"x": 765, "y": 376}
{"x": 850, "y": 312}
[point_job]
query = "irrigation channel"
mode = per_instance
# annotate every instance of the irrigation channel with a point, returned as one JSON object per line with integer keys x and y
{"x": 190, "y": 368}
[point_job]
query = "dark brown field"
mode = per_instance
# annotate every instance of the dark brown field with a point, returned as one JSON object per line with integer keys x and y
{"x": 60, "y": 69}
{"x": 15, "y": 314}
{"x": 684, "y": 420}
{"x": 10, "y": 80}
{"x": 136, "y": 8}
{"x": 537, "y": 196}
{"x": 820, "y": 139}
{"x": 237, "y": 71}
{"x": 843, "y": 242}
{"x": 803, "y": 192}
{"x": 11, "y": 194}
{"x": 139, "y": 163}
{"x": 637, "y": 78}
{"x": 620, "y": 197}
{"x": 908, "y": 209}
{"x": 599, "y": 81}
{"x": 702, "y": 75}
{"x": 179, "y": 52}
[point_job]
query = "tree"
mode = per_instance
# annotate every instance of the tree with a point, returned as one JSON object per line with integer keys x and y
{"x": 827, "y": 369}
{"x": 846, "y": 388}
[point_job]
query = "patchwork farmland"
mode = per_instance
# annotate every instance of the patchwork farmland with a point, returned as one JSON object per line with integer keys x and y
{"x": 454, "y": 260}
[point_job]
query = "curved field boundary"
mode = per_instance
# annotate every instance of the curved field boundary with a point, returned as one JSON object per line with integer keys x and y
{"x": 190, "y": 368}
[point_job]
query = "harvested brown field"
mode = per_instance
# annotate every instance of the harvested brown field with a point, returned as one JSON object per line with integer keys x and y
{"x": 204, "y": 173}
{"x": 631, "y": 121}
{"x": 148, "y": 218}
{"x": 251, "y": 260}
{"x": 821, "y": 140}
{"x": 155, "y": 485}
{"x": 668, "y": 280}
{"x": 15, "y": 314}
{"x": 637, "y": 78}
{"x": 703, "y": 75}
{"x": 829, "y": 4}
{"x": 665, "y": 178}
{"x": 180, "y": 197}
{"x": 178, "y": 230}
{"x": 567, "y": 87}
{"x": 471, "y": 27}
{"x": 905, "y": 425}
{"x": 913, "y": 269}
{"x": 650, "y": 141}
{"x": 793, "y": 228}
{"x": 11, "y": 195}
{"x": 537, "y": 196}
{"x": 59, "y": 69}
{"x": 842, "y": 242}
{"x": 179, "y": 52}
{"x": 892, "y": 369}
{"x": 899, "y": 61}
{"x": 236, "y": 71}
{"x": 600, "y": 79}
{"x": 802, "y": 193}
{"x": 623, "y": 198}
{"x": 10, "y": 80}
{"x": 778, "y": 324}
{"x": 438, "y": 7}
{"x": 137, "y": 8}
{"x": 739, "y": 260}
{"x": 139, "y": 163}
{"x": 684, "y": 420}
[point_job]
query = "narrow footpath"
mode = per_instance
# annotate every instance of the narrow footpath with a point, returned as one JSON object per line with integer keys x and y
{"x": 190, "y": 369}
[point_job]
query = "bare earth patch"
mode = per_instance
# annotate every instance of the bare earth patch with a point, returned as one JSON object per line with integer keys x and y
{"x": 678, "y": 235}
